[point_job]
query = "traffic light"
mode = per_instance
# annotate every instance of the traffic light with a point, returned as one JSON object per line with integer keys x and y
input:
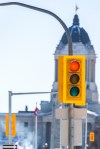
{"x": 7, "y": 125}
{"x": 71, "y": 80}
{"x": 92, "y": 137}
{"x": 13, "y": 125}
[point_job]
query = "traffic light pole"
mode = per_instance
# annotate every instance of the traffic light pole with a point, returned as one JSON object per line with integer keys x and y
{"x": 10, "y": 117}
{"x": 70, "y": 52}
{"x": 71, "y": 126}
{"x": 10, "y": 112}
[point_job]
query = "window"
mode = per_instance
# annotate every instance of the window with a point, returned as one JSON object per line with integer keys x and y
{"x": 25, "y": 124}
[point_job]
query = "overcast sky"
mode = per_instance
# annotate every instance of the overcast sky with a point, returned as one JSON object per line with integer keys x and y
{"x": 28, "y": 40}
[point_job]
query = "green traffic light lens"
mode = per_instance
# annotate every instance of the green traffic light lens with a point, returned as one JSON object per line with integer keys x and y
{"x": 74, "y": 78}
{"x": 74, "y": 91}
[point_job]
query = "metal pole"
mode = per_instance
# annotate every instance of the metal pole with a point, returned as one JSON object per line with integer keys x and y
{"x": 52, "y": 130}
{"x": 70, "y": 50}
{"x": 36, "y": 132}
{"x": 86, "y": 131}
{"x": 60, "y": 129}
{"x": 10, "y": 118}
{"x": 29, "y": 93}
{"x": 71, "y": 127}
{"x": 60, "y": 135}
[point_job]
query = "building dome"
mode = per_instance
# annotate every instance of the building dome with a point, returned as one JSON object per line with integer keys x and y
{"x": 78, "y": 34}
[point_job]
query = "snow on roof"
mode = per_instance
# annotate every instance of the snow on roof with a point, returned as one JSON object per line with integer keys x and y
{"x": 92, "y": 113}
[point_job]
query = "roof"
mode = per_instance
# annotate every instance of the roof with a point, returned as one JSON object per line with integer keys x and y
{"x": 77, "y": 33}
{"x": 92, "y": 113}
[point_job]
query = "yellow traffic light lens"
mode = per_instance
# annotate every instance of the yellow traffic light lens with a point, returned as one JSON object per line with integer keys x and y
{"x": 74, "y": 66}
{"x": 74, "y": 79}
{"x": 74, "y": 91}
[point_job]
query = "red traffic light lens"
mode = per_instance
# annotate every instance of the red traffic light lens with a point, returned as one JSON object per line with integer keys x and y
{"x": 74, "y": 79}
{"x": 74, "y": 66}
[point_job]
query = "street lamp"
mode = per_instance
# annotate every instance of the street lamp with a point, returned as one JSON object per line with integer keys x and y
{"x": 70, "y": 52}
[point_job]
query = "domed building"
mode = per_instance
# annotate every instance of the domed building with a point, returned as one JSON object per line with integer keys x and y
{"x": 81, "y": 46}
{"x": 77, "y": 33}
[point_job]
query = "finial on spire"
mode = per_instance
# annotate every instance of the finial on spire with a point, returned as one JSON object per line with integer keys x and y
{"x": 76, "y": 8}
{"x": 76, "y": 20}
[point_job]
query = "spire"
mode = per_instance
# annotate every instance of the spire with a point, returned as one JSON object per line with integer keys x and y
{"x": 76, "y": 20}
{"x": 77, "y": 33}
